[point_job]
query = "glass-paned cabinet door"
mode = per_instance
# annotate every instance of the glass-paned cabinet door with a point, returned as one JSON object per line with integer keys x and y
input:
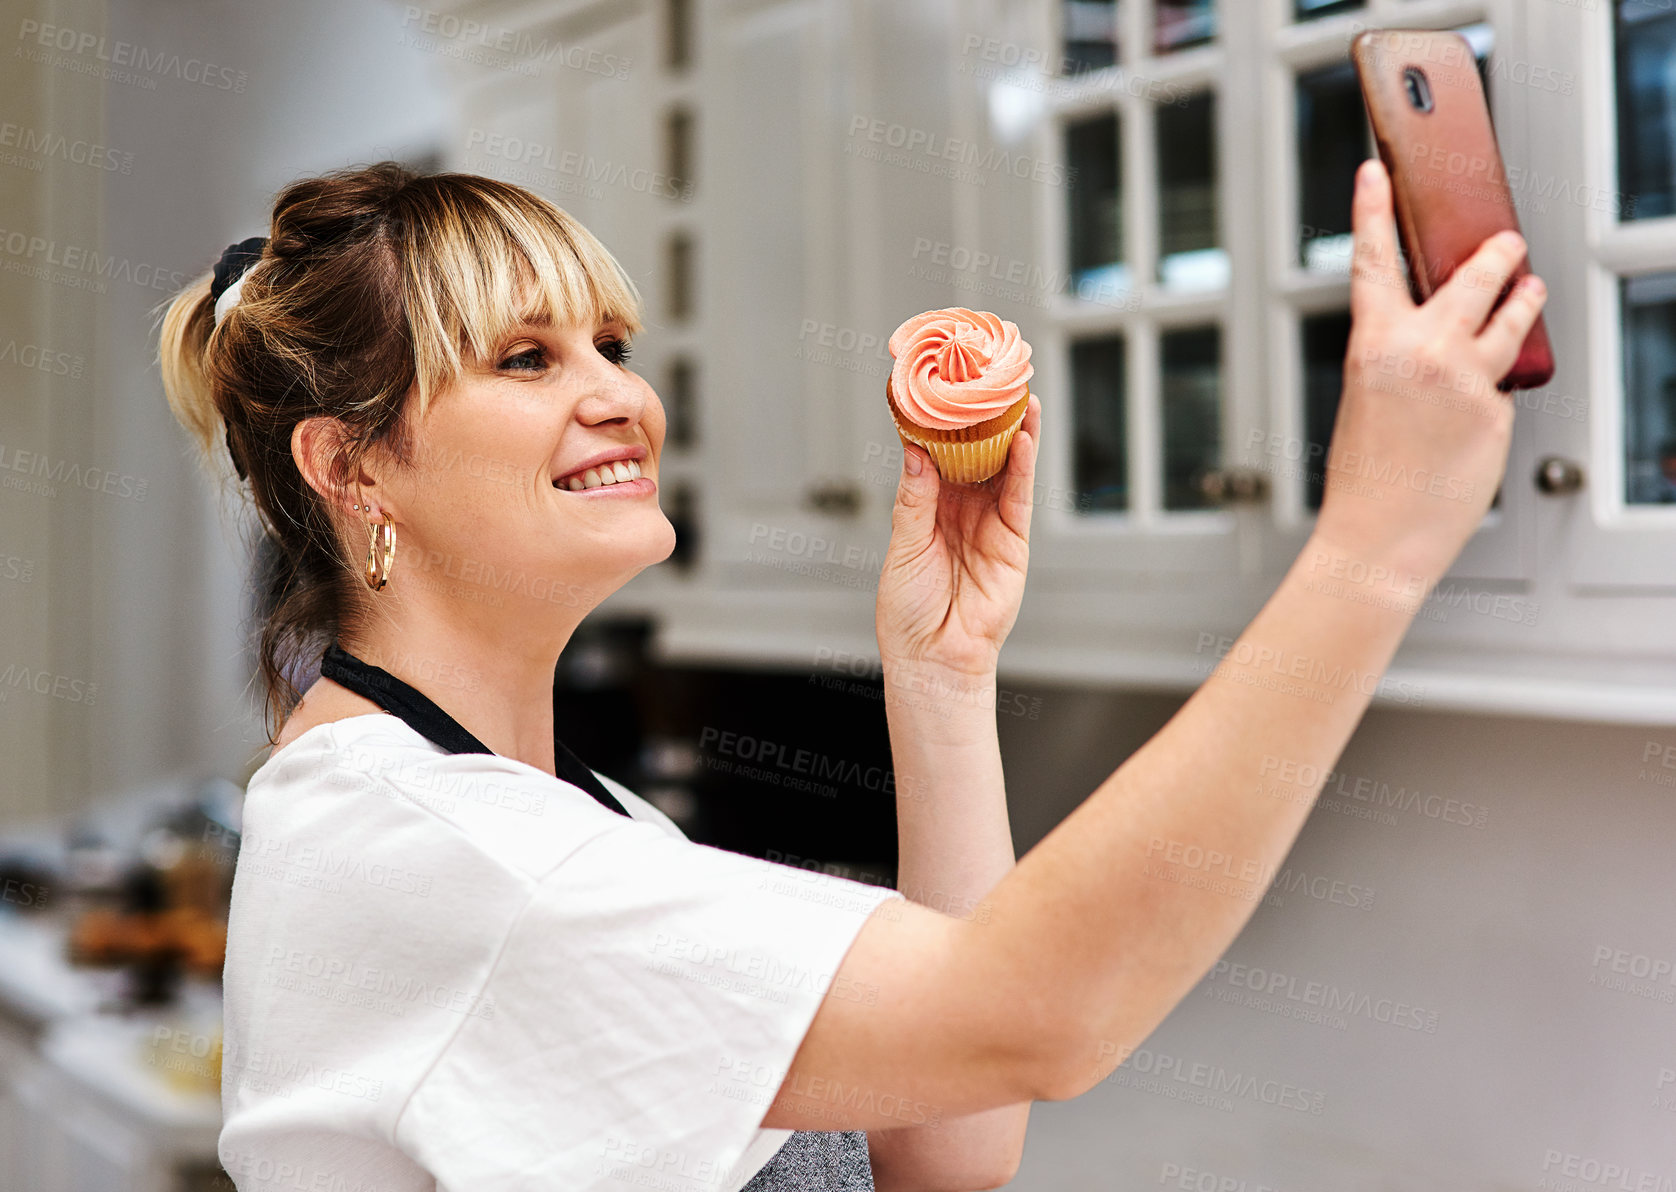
{"x": 1306, "y": 10}
{"x": 1190, "y": 365}
{"x": 1643, "y": 48}
{"x": 1648, "y": 305}
{"x": 1322, "y": 341}
{"x": 1136, "y": 337}
{"x": 1182, "y": 23}
{"x": 1098, "y": 380}
{"x": 1094, "y": 249}
{"x": 1333, "y": 140}
{"x": 1089, "y": 35}
{"x": 1190, "y": 252}
{"x": 1607, "y": 175}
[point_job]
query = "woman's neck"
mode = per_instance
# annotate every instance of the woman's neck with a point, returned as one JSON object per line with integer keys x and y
{"x": 499, "y": 688}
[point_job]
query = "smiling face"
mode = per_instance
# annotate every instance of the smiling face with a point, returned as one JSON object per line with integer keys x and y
{"x": 509, "y": 494}
{"x": 477, "y": 393}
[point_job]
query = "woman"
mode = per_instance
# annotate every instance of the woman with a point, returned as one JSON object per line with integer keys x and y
{"x": 460, "y": 959}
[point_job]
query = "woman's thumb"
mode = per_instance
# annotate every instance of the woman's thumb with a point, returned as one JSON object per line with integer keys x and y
{"x": 914, "y": 518}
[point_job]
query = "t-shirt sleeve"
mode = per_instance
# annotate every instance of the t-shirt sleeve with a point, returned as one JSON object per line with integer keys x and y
{"x": 640, "y": 1016}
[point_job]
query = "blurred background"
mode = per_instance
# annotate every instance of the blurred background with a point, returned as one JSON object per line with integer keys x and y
{"x": 1465, "y": 977}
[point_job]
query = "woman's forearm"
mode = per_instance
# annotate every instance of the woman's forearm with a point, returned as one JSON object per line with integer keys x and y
{"x": 954, "y": 845}
{"x": 953, "y": 837}
{"x": 1089, "y": 941}
{"x": 1107, "y": 923}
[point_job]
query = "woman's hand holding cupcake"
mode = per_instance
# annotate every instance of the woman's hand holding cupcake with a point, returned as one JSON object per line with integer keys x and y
{"x": 953, "y": 576}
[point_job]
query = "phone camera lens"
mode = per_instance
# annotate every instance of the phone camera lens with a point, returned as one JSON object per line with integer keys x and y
{"x": 1419, "y": 91}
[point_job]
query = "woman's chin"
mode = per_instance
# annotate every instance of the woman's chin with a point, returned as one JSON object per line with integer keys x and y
{"x": 668, "y": 546}
{"x": 630, "y": 553}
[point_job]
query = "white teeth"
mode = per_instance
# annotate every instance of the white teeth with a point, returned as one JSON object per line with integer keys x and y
{"x": 616, "y": 472}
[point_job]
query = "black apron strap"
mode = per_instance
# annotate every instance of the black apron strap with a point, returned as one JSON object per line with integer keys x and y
{"x": 423, "y": 715}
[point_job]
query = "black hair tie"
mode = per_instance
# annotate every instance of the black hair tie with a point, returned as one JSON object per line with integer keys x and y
{"x": 236, "y": 260}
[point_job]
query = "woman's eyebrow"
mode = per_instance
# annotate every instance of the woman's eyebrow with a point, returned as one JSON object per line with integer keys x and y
{"x": 543, "y": 321}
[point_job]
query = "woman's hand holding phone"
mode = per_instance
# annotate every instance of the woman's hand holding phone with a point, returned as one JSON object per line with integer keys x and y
{"x": 1421, "y": 438}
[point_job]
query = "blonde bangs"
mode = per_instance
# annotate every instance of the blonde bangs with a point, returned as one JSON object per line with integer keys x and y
{"x": 481, "y": 257}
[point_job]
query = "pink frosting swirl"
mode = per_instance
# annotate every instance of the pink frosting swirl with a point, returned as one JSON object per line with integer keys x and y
{"x": 957, "y": 367}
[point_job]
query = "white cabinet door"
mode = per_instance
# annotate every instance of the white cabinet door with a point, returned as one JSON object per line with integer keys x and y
{"x": 788, "y": 357}
{"x": 1611, "y": 324}
{"x": 577, "y": 125}
{"x": 1150, "y": 344}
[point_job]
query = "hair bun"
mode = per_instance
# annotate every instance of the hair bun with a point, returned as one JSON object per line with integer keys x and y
{"x": 327, "y": 211}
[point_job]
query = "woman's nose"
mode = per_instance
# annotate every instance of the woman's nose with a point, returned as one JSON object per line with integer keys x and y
{"x": 610, "y": 398}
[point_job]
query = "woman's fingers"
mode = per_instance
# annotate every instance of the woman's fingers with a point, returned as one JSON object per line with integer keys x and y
{"x": 1018, "y": 483}
{"x": 1505, "y": 333}
{"x": 1377, "y": 280}
{"x": 1464, "y": 301}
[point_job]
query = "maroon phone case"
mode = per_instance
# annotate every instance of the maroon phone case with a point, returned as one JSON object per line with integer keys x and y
{"x": 1449, "y": 188}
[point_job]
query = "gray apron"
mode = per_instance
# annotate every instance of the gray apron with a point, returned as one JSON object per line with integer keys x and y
{"x": 817, "y": 1161}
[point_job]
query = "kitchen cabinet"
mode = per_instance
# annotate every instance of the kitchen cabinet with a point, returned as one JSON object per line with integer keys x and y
{"x": 1164, "y": 212}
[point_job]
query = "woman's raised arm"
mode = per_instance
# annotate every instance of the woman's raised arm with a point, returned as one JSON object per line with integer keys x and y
{"x": 1101, "y": 929}
{"x": 948, "y": 595}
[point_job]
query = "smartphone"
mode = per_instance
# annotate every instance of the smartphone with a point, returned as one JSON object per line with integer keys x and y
{"x": 1425, "y": 102}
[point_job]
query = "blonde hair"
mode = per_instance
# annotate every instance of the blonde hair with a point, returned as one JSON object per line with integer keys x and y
{"x": 376, "y": 283}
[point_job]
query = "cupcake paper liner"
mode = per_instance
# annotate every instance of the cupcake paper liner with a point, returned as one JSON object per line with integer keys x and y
{"x": 967, "y": 454}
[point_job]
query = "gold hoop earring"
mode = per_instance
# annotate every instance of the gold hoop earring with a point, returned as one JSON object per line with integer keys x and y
{"x": 378, "y": 568}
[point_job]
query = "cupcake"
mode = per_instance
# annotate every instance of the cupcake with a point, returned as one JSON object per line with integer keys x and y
{"x": 959, "y": 389}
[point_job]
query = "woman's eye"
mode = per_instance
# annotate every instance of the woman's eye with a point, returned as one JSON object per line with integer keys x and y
{"x": 528, "y": 359}
{"x": 615, "y": 350}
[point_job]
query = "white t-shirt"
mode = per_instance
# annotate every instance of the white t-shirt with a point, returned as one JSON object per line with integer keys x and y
{"x": 456, "y": 971}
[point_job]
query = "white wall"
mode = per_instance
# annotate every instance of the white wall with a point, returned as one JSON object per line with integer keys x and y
{"x": 1495, "y": 929}
{"x": 328, "y": 86}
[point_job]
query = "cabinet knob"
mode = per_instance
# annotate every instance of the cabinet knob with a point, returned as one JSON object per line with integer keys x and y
{"x": 1558, "y": 477}
{"x": 1235, "y": 486}
{"x": 841, "y": 498}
